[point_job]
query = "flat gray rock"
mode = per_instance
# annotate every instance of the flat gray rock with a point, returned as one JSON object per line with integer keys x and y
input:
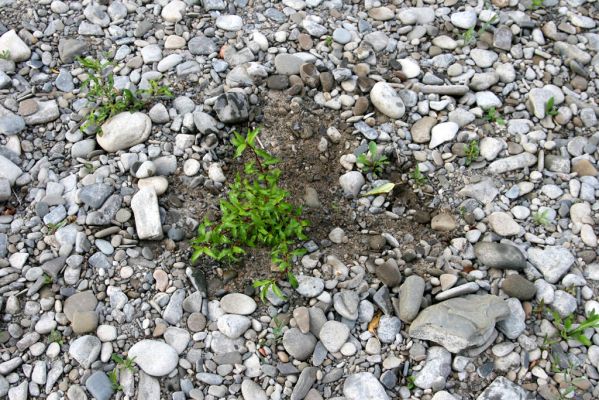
{"x": 503, "y": 389}
{"x": 460, "y": 323}
{"x": 500, "y": 255}
{"x": 363, "y": 386}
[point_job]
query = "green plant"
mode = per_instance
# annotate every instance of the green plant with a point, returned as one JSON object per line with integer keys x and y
{"x": 55, "y": 337}
{"x": 277, "y": 330}
{"x": 418, "y": 177}
{"x": 48, "y": 279}
{"x": 110, "y": 101}
{"x": 113, "y": 376}
{"x": 472, "y": 152}
{"x": 536, "y": 4}
{"x": 541, "y": 217}
{"x": 469, "y": 36}
{"x": 52, "y": 228}
{"x": 124, "y": 362}
{"x": 328, "y": 41}
{"x": 255, "y": 213}
{"x": 5, "y": 54}
{"x": 410, "y": 382}
{"x": 567, "y": 330}
{"x": 371, "y": 161}
{"x": 492, "y": 115}
{"x": 550, "y": 108}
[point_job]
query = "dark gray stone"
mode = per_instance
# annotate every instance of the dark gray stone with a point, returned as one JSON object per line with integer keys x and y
{"x": 99, "y": 386}
{"x": 232, "y": 107}
{"x": 500, "y": 255}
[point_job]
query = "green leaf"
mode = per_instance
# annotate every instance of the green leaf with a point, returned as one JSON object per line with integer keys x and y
{"x": 292, "y": 280}
{"x": 382, "y": 189}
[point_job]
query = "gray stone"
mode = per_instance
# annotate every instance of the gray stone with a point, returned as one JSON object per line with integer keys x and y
{"x": 232, "y": 107}
{"x": 202, "y": 45}
{"x": 483, "y": 191}
{"x": 11, "y": 124}
{"x": 388, "y": 273}
{"x": 436, "y": 368}
{"x": 14, "y": 46}
{"x": 8, "y": 170}
{"x": 99, "y": 386}
{"x": 519, "y": 287}
{"x": 149, "y": 387}
{"x": 460, "y": 323}
{"x": 299, "y": 345}
{"x": 500, "y": 255}
{"x": 363, "y": 386}
{"x": 144, "y": 205}
{"x": 410, "y": 297}
{"x": 85, "y": 350}
{"x": 233, "y": 325}
{"x": 69, "y": 49}
{"x": 333, "y": 335}
{"x": 95, "y": 195}
{"x": 174, "y": 310}
{"x": 124, "y": 130}
{"x": 513, "y": 326}
{"x": 512, "y": 163}
{"x": 250, "y": 390}
{"x": 387, "y": 101}
{"x": 389, "y": 327}
{"x": 288, "y": 64}
{"x": 47, "y": 111}
{"x": 503, "y": 389}
{"x": 552, "y": 261}
{"x": 346, "y": 304}
{"x": 238, "y": 303}
{"x": 309, "y": 286}
{"x": 351, "y": 182}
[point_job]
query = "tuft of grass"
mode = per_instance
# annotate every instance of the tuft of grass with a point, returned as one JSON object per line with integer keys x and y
{"x": 48, "y": 279}
{"x": 417, "y": 176}
{"x": 541, "y": 217}
{"x": 470, "y": 35}
{"x": 52, "y": 228}
{"x": 277, "y": 330}
{"x": 472, "y": 152}
{"x": 109, "y": 101}
{"x": 113, "y": 376}
{"x": 124, "y": 362}
{"x": 492, "y": 115}
{"x": 328, "y": 41}
{"x": 410, "y": 382}
{"x": 5, "y": 54}
{"x": 371, "y": 161}
{"x": 550, "y": 108}
{"x": 55, "y": 337}
{"x": 534, "y": 4}
{"x": 256, "y": 213}
{"x": 567, "y": 330}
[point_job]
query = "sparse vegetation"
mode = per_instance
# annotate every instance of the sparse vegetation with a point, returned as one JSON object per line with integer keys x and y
{"x": 417, "y": 176}
{"x": 470, "y": 35}
{"x": 48, "y": 279}
{"x": 52, "y": 228}
{"x": 550, "y": 108}
{"x": 492, "y": 115}
{"x": 328, "y": 41}
{"x": 124, "y": 362}
{"x": 5, "y": 54}
{"x": 410, "y": 382}
{"x": 534, "y": 4}
{"x": 55, "y": 337}
{"x": 277, "y": 330}
{"x": 472, "y": 152}
{"x": 114, "y": 380}
{"x": 567, "y": 330}
{"x": 255, "y": 213}
{"x": 371, "y": 161}
{"x": 541, "y": 217}
{"x": 107, "y": 100}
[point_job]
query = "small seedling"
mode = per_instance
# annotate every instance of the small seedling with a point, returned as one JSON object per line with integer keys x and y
{"x": 410, "y": 382}
{"x": 114, "y": 380}
{"x": 550, "y": 108}
{"x": 472, "y": 152}
{"x": 469, "y": 36}
{"x": 536, "y": 4}
{"x": 5, "y": 54}
{"x": 52, "y": 228}
{"x": 372, "y": 162}
{"x": 567, "y": 330}
{"x": 256, "y": 213}
{"x": 418, "y": 177}
{"x": 109, "y": 101}
{"x": 492, "y": 115}
{"x": 328, "y": 41}
{"x": 55, "y": 337}
{"x": 541, "y": 217}
{"x": 277, "y": 330}
{"x": 48, "y": 279}
{"x": 124, "y": 362}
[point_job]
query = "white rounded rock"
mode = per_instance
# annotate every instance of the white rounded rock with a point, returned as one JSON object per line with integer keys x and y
{"x": 158, "y": 183}
{"x": 154, "y": 357}
{"x": 173, "y": 11}
{"x": 124, "y": 130}
{"x": 386, "y": 100}
{"x": 17, "y": 50}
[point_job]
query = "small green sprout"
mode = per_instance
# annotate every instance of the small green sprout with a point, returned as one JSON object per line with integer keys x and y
{"x": 492, "y": 115}
{"x": 417, "y": 176}
{"x": 52, "y": 228}
{"x": 472, "y": 152}
{"x": 113, "y": 376}
{"x": 55, "y": 337}
{"x": 328, "y": 41}
{"x": 567, "y": 330}
{"x": 5, "y": 54}
{"x": 372, "y": 162}
{"x": 536, "y": 4}
{"x": 550, "y": 108}
{"x": 541, "y": 217}
{"x": 124, "y": 362}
